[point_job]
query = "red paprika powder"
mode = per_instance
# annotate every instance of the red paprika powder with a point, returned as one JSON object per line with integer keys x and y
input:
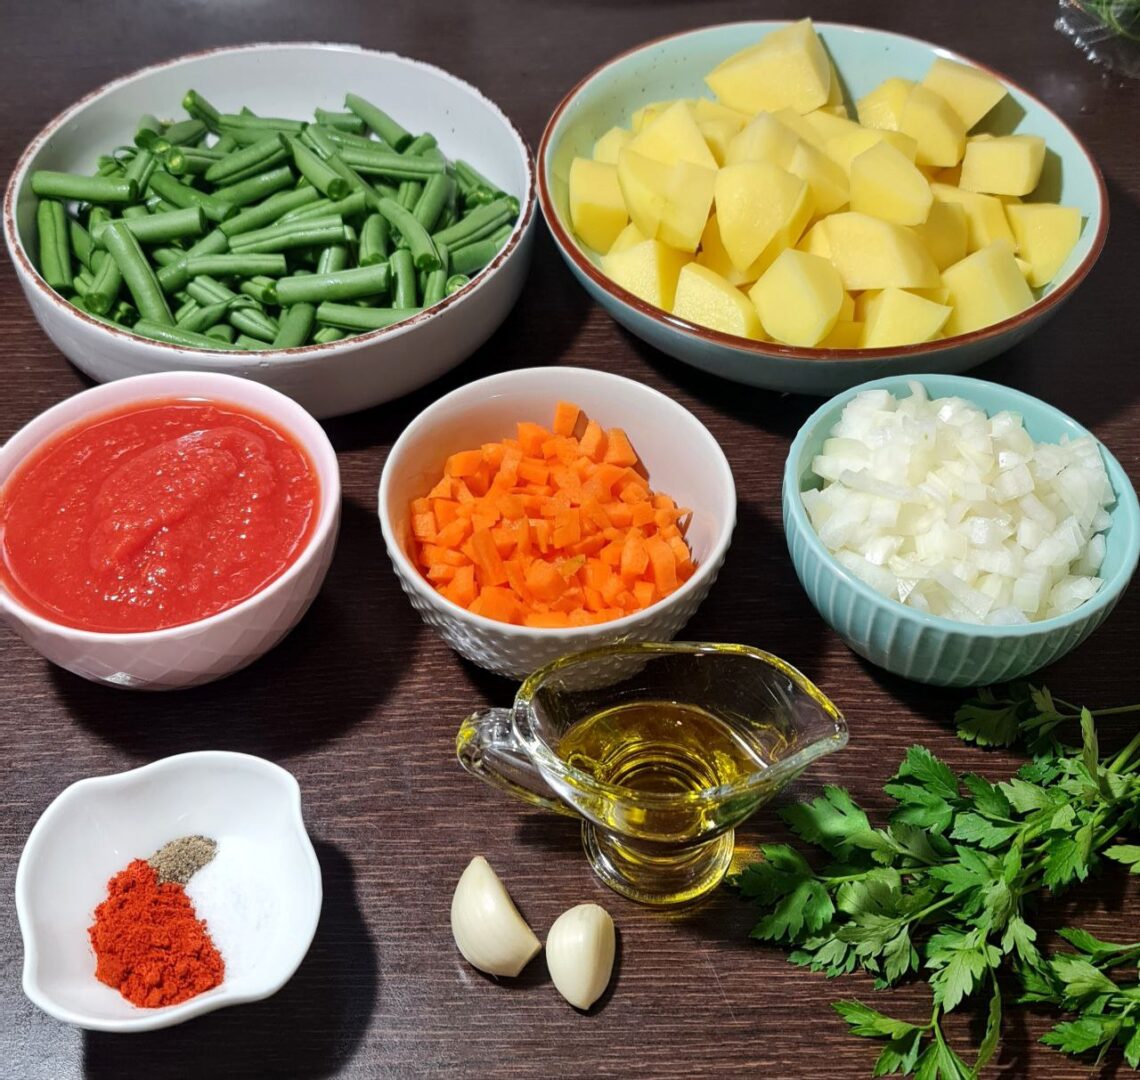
{"x": 149, "y": 944}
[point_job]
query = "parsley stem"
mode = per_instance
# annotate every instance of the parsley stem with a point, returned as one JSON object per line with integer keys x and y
{"x": 1121, "y": 759}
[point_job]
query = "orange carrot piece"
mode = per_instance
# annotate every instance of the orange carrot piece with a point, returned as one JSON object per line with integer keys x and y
{"x": 644, "y": 592}
{"x": 438, "y": 572}
{"x": 544, "y": 581}
{"x": 567, "y": 528}
{"x": 531, "y": 438}
{"x": 548, "y": 620}
{"x": 664, "y": 564}
{"x": 442, "y": 490}
{"x": 434, "y": 553}
{"x": 510, "y": 506}
{"x": 493, "y": 454}
{"x": 533, "y": 470}
{"x": 619, "y": 450}
{"x": 423, "y": 526}
{"x": 464, "y": 463}
{"x": 593, "y": 441}
{"x": 611, "y": 553}
{"x": 487, "y": 559}
{"x": 565, "y": 418}
{"x": 496, "y": 603}
{"x": 461, "y": 588}
{"x": 445, "y": 511}
{"x": 634, "y": 555}
{"x": 643, "y": 514}
{"x": 589, "y": 545}
{"x": 621, "y": 514}
{"x": 453, "y": 535}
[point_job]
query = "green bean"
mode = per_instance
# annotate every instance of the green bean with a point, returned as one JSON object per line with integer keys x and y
{"x": 173, "y": 335}
{"x": 326, "y": 180}
{"x": 185, "y": 310}
{"x": 326, "y": 335}
{"x": 106, "y": 283}
{"x": 350, "y": 206}
{"x": 93, "y": 189}
{"x": 378, "y": 121}
{"x": 124, "y": 314}
{"x": 409, "y": 194}
{"x": 55, "y": 244}
{"x": 385, "y": 163}
{"x": 164, "y": 256}
{"x": 351, "y": 317}
{"x": 149, "y": 128}
{"x": 422, "y": 248}
{"x": 338, "y": 285}
{"x": 203, "y": 317}
{"x": 470, "y": 177}
{"x": 433, "y": 290}
{"x": 345, "y": 138}
{"x": 247, "y": 318}
{"x": 253, "y": 122}
{"x": 257, "y": 187}
{"x": 136, "y": 211}
{"x": 140, "y": 168}
{"x": 419, "y": 144}
{"x": 139, "y": 277}
{"x": 477, "y": 225}
{"x": 332, "y": 258}
{"x": 269, "y": 212}
{"x": 259, "y": 287}
{"x": 226, "y": 144}
{"x": 222, "y": 332}
{"x": 455, "y": 283}
{"x": 295, "y": 327}
{"x": 374, "y": 243}
{"x": 433, "y": 198}
{"x": 404, "y": 276}
{"x": 236, "y": 265}
{"x": 184, "y": 132}
{"x": 174, "y": 276}
{"x": 248, "y": 161}
{"x": 192, "y": 160}
{"x": 315, "y": 232}
{"x": 182, "y": 195}
{"x": 80, "y": 284}
{"x": 81, "y": 242}
{"x": 159, "y": 228}
{"x": 342, "y": 121}
{"x": 198, "y": 107}
{"x": 474, "y": 256}
{"x": 249, "y": 343}
{"x": 444, "y": 257}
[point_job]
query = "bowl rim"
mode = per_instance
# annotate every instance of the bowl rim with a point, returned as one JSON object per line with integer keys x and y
{"x": 772, "y": 349}
{"x": 297, "y": 422}
{"x": 28, "y": 272}
{"x": 1126, "y": 505}
{"x": 483, "y": 389}
{"x": 167, "y": 1015}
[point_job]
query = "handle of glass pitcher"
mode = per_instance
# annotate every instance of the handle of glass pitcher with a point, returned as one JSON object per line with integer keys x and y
{"x": 487, "y": 748}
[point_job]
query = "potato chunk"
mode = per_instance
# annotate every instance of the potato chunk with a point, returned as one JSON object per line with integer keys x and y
{"x": 597, "y": 209}
{"x": 673, "y": 136}
{"x": 971, "y": 93}
{"x": 704, "y": 297}
{"x": 799, "y": 298}
{"x": 629, "y": 237}
{"x": 764, "y": 138}
{"x": 844, "y": 149}
{"x": 1008, "y": 165}
{"x": 883, "y": 106}
{"x": 985, "y": 216}
{"x": 713, "y": 255}
{"x": 870, "y": 253}
{"x": 789, "y": 67}
{"x": 649, "y": 270}
{"x": 886, "y": 185}
{"x": 896, "y": 317}
{"x": 827, "y": 182}
{"x": 760, "y": 209}
{"x": 929, "y": 120}
{"x": 985, "y": 288}
{"x": 1045, "y": 234}
{"x": 669, "y": 203}
{"x": 944, "y": 233}
{"x": 607, "y": 148}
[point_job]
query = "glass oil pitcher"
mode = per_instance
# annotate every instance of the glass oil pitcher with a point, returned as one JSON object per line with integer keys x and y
{"x": 660, "y": 749}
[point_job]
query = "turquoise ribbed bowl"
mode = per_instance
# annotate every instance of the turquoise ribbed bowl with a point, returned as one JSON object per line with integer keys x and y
{"x": 928, "y": 648}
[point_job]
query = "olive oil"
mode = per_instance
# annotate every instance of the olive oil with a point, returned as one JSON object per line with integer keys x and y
{"x": 661, "y": 747}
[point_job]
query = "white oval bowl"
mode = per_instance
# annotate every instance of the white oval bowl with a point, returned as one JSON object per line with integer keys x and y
{"x": 94, "y": 828}
{"x": 202, "y": 651}
{"x": 289, "y": 80}
{"x": 682, "y": 459}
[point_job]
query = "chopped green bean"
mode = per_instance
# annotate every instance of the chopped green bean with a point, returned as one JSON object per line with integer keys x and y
{"x": 192, "y": 160}
{"x": 202, "y": 317}
{"x": 434, "y": 196}
{"x": 252, "y": 122}
{"x": 295, "y": 327}
{"x": 455, "y": 283}
{"x": 140, "y": 168}
{"x": 185, "y": 310}
{"x": 160, "y": 228}
{"x": 351, "y": 205}
{"x": 342, "y": 121}
{"x": 184, "y": 132}
{"x": 420, "y": 144}
{"x": 173, "y": 276}
{"x": 199, "y": 108}
{"x": 248, "y": 161}
{"x": 250, "y": 343}
{"x": 470, "y": 177}
{"x": 247, "y": 317}
{"x": 374, "y": 242}
{"x": 337, "y": 285}
{"x": 182, "y": 195}
{"x": 81, "y": 242}
{"x": 236, "y": 265}
{"x": 434, "y": 287}
{"x": 137, "y": 273}
{"x": 422, "y": 248}
{"x": 345, "y": 138}
{"x": 480, "y": 223}
{"x": 106, "y": 283}
{"x": 404, "y": 278}
{"x": 259, "y": 287}
{"x": 149, "y": 128}
{"x": 312, "y": 232}
{"x": 174, "y": 335}
{"x": 351, "y": 317}
{"x": 325, "y": 179}
{"x": 474, "y": 256}
{"x": 409, "y": 194}
{"x": 254, "y": 188}
{"x": 222, "y": 332}
{"x": 385, "y": 163}
{"x": 332, "y": 258}
{"x": 93, "y": 189}
{"x": 269, "y": 212}
{"x": 55, "y": 244}
{"x": 326, "y": 335}
{"x": 379, "y": 121}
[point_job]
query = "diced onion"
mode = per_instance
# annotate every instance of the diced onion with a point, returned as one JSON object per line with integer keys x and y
{"x": 938, "y": 506}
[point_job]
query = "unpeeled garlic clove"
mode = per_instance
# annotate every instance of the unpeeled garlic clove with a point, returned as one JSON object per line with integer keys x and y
{"x": 580, "y": 954}
{"x": 488, "y": 929}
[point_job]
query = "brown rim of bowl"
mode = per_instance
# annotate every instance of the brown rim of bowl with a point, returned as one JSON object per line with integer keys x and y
{"x": 19, "y": 255}
{"x": 792, "y": 352}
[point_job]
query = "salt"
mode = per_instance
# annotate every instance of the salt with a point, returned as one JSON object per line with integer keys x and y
{"x": 234, "y": 896}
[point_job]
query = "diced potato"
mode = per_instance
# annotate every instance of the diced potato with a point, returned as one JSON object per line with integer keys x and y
{"x": 718, "y": 133}
{"x": 673, "y": 136}
{"x": 950, "y": 176}
{"x": 846, "y": 334}
{"x": 870, "y": 253}
{"x": 929, "y": 120}
{"x": 815, "y": 241}
{"x": 799, "y": 298}
{"x": 713, "y": 255}
{"x": 829, "y": 126}
{"x": 789, "y": 67}
{"x": 760, "y": 209}
{"x": 763, "y": 139}
{"x": 939, "y": 295}
{"x": 985, "y": 216}
{"x": 649, "y": 270}
{"x": 607, "y": 148}
{"x": 1008, "y": 165}
{"x": 707, "y": 109}
{"x": 844, "y": 149}
{"x": 835, "y": 100}
{"x": 883, "y": 106}
{"x": 886, "y": 185}
{"x": 1025, "y": 268}
{"x": 799, "y": 125}
{"x": 970, "y": 92}
{"x": 944, "y": 233}
{"x": 847, "y": 308}
{"x": 597, "y": 208}
{"x": 826, "y": 180}
{"x": 669, "y": 203}
{"x": 649, "y": 112}
{"x": 898, "y": 317}
{"x": 985, "y": 288}
{"x": 863, "y": 303}
{"x": 1045, "y": 234}
{"x": 629, "y": 237}
{"x": 704, "y": 297}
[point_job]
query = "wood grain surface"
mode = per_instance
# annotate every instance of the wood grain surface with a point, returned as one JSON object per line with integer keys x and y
{"x": 362, "y": 703}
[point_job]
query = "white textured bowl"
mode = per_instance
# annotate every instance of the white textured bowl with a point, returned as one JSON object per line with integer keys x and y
{"x": 96, "y": 827}
{"x": 681, "y": 456}
{"x": 289, "y": 80}
{"x": 202, "y": 651}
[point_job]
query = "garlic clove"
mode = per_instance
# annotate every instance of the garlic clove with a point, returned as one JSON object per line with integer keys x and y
{"x": 488, "y": 929}
{"x": 580, "y": 954}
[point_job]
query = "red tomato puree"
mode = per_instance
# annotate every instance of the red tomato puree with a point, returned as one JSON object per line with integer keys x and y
{"x": 155, "y": 515}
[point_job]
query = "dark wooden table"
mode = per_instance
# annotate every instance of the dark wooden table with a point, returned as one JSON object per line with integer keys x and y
{"x": 362, "y": 702}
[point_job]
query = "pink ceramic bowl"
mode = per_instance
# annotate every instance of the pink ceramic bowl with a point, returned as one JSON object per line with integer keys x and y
{"x": 209, "y": 649}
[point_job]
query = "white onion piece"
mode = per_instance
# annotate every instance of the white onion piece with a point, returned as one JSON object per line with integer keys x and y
{"x": 938, "y": 506}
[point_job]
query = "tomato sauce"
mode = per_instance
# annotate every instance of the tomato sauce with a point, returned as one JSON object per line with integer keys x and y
{"x": 155, "y": 515}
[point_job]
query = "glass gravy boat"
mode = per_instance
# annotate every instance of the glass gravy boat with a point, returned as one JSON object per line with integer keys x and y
{"x": 657, "y": 812}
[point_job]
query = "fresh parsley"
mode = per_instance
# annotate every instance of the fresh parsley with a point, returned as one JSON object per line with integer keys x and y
{"x": 941, "y": 891}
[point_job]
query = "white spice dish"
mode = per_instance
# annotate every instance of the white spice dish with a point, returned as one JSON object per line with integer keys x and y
{"x": 261, "y": 900}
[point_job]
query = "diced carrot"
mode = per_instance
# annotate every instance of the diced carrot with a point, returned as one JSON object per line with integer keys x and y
{"x": 643, "y": 514}
{"x": 589, "y": 545}
{"x": 544, "y": 581}
{"x": 484, "y": 519}
{"x": 634, "y": 555}
{"x": 611, "y": 553}
{"x": 509, "y": 466}
{"x": 453, "y": 535}
{"x": 532, "y": 470}
{"x": 644, "y": 592}
{"x": 511, "y": 507}
{"x": 423, "y": 526}
{"x": 479, "y": 482}
{"x": 541, "y": 531}
{"x": 437, "y": 572}
{"x": 442, "y": 490}
{"x": 461, "y": 588}
{"x": 565, "y": 418}
{"x": 619, "y": 450}
{"x": 593, "y": 441}
{"x": 531, "y": 438}
{"x": 595, "y": 512}
{"x": 613, "y": 589}
{"x": 549, "y": 620}
{"x": 434, "y": 553}
{"x": 445, "y": 511}
{"x": 464, "y": 463}
{"x": 621, "y": 514}
{"x": 505, "y": 539}
{"x": 487, "y": 559}
{"x": 495, "y": 603}
{"x": 664, "y": 564}
{"x": 493, "y": 454}
{"x": 567, "y": 528}
{"x": 462, "y": 492}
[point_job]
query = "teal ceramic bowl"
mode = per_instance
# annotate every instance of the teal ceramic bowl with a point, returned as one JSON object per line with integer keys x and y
{"x": 673, "y": 67}
{"x": 928, "y": 648}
